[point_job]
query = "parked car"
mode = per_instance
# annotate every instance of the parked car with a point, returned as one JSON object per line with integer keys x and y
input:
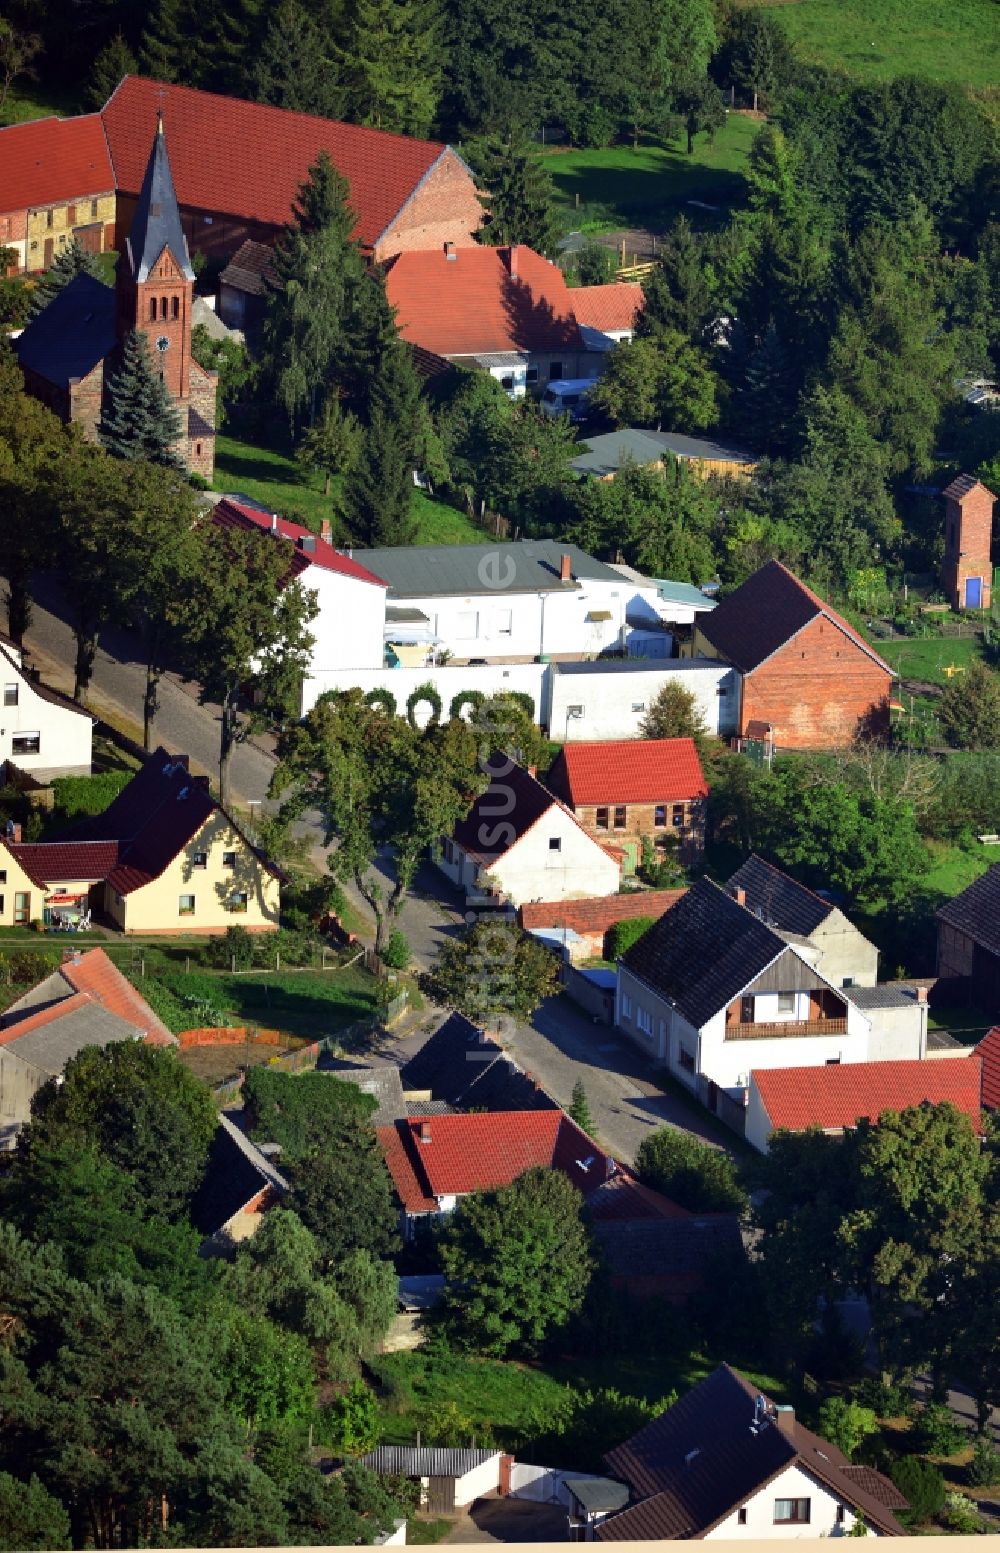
{"x": 569, "y": 396}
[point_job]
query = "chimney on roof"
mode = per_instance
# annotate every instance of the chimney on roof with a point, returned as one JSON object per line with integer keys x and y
{"x": 13, "y": 831}
{"x": 565, "y": 568}
{"x": 274, "y": 522}
{"x": 512, "y": 260}
{"x": 921, "y": 994}
{"x": 326, "y": 532}
{"x": 449, "y": 251}
{"x": 784, "y": 1417}
{"x": 740, "y": 896}
{"x": 425, "y": 1132}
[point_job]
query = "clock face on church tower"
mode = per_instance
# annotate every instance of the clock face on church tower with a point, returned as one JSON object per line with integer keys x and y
{"x": 163, "y": 344}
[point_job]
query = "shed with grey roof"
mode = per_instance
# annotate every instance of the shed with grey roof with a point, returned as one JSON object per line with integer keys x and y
{"x": 449, "y": 1478}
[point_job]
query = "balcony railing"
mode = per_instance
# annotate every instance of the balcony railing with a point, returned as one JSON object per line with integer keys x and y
{"x": 782, "y": 1028}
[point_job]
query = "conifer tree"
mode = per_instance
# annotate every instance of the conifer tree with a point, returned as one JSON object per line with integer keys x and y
{"x": 394, "y": 55}
{"x": 140, "y": 419}
{"x": 370, "y": 334}
{"x": 378, "y": 492}
{"x": 519, "y": 197}
{"x": 680, "y": 293}
{"x": 295, "y": 68}
{"x": 767, "y": 399}
{"x": 168, "y": 48}
{"x": 579, "y": 1110}
{"x": 72, "y": 261}
{"x": 115, "y": 61}
{"x": 235, "y": 33}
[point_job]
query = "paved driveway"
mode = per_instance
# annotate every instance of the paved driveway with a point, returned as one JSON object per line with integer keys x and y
{"x": 510, "y": 1520}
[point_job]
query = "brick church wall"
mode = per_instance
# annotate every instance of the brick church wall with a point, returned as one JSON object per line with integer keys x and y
{"x": 444, "y": 208}
{"x": 201, "y": 422}
{"x": 85, "y": 400}
{"x": 817, "y": 690}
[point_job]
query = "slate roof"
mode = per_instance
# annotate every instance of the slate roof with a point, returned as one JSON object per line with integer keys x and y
{"x": 838, "y": 1095}
{"x": 70, "y": 336}
{"x": 92, "y": 977}
{"x": 436, "y": 1461}
{"x": 609, "y": 451}
{"x": 599, "y": 912}
{"x": 683, "y": 1495}
{"x": 309, "y": 548}
{"x": 703, "y": 952}
{"x": 237, "y": 1171}
{"x": 461, "y": 1066}
{"x": 887, "y": 994}
{"x": 381, "y": 1081}
{"x": 609, "y": 307}
{"x": 629, "y": 666}
{"x": 596, "y": 1493}
{"x": 153, "y": 818}
{"x": 623, "y": 771}
{"x": 48, "y": 1038}
{"x": 436, "y": 571}
{"x": 248, "y": 159}
{"x": 976, "y": 912}
{"x": 481, "y": 301}
{"x": 666, "y": 1256}
{"x": 251, "y": 269}
{"x": 156, "y": 223}
{"x": 777, "y": 899}
{"x": 765, "y": 613}
{"x": 988, "y": 1052}
{"x": 48, "y": 161}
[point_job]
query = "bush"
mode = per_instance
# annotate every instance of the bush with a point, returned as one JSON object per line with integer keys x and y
{"x": 25, "y": 967}
{"x": 961, "y": 1515}
{"x": 923, "y": 1486}
{"x": 936, "y": 1431}
{"x": 396, "y": 953}
{"x": 984, "y": 1468}
{"x": 425, "y": 692}
{"x": 470, "y": 698}
{"x": 88, "y": 795}
{"x": 355, "y": 1420}
{"x": 886, "y": 1399}
{"x": 381, "y": 698}
{"x": 692, "y": 1173}
{"x": 231, "y": 949}
{"x": 846, "y": 1424}
{"x": 622, "y": 935}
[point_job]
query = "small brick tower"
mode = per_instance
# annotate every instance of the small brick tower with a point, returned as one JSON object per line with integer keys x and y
{"x": 967, "y": 571}
{"x": 155, "y": 290}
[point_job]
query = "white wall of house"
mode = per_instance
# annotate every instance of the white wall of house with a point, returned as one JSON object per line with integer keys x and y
{"x": 40, "y": 736}
{"x": 898, "y": 1033}
{"x": 845, "y": 952}
{"x": 535, "y": 870}
{"x": 449, "y": 681}
{"x": 758, "y": 1124}
{"x": 484, "y": 1479}
{"x": 608, "y": 701}
{"x": 793, "y": 1483}
{"x": 349, "y": 626}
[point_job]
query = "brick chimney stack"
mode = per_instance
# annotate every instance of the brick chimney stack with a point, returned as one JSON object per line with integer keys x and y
{"x": 565, "y": 568}
{"x": 785, "y": 1419}
{"x": 425, "y": 1132}
{"x": 740, "y": 896}
{"x": 512, "y": 261}
{"x": 325, "y": 531}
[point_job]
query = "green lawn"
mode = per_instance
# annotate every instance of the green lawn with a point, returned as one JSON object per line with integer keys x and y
{"x": 273, "y": 478}
{"x": 32, "y": 100}
{"x": 423, "y": 1532}
{"x": 953, "y": 868}
{"x": 621, "y": 187}
{"x": 305, "y": 1003}
{"x": 929, "y": 658}
{"x": 943, "y": 40}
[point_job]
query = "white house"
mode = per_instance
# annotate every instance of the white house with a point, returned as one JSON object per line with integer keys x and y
{"x": 608, "y": 699}
{"x": 521, "y": 844}
{"x": 41, "y": 732}
{"x": 349, "y": 624}
{"x": 724, "y": 1462}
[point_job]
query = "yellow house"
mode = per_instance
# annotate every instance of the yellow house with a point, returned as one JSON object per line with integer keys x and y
{"x": 165, "y": 857}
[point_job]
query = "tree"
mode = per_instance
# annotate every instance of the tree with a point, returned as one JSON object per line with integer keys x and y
{"x": 923, "y": 1486}
{"x": 659, "y": 520}
{"x": 697, "y": 1175}
{"x": 230, "y": 360}
{"x": 698, "y": 102}
{"x": 846, "y": 1424}
{"x": 32, "y": 441}
{"x": 651, "y": 381}
{"x": 381, "y": 786}
{"x": 296, "y": 68}
{"x": 170, "y": 48}
{"x": 494, "y": 970}
{"x": 969, "y": 709}
{"x": 332, "y": 445}
{"x": 579, "y": 1110}
{"x": 139, "y": 419}
{"x": 17, "y": 52}
{"x": 674, "y": 713}
{"x": 756, "y": 56}
{"x": 301, "y": 1112}
{"x": 393, "y": 58}
{"x": 140, "y": 1109}
{"x": 680, "y": 294}
{"x": 68, "y": 263}
{"x": 93, "y": 513}
{"x": 519, "y": 202}
{"x": 343, "y": 1195}
{"x": 249, "y": 631}
{"x": 115, "y": 61}
{"x": 378, "y": 490}
{"x": 766, "y": 399}
{"x": 356, "y": 1420}
{"x": 517, "y": 1262}
{"x": 30, "y": 1517}
{"x": 317, "y": 262}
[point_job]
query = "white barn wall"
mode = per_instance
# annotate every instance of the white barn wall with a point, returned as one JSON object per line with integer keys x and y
{"x": 484, "y": 1479}
{"x": 793, "y": 1483}
{"x": 448, "y": 680}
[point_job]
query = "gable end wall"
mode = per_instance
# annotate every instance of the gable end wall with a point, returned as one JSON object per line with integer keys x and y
{"x": 817, "y": 690}
{"x": 444, "y": 208}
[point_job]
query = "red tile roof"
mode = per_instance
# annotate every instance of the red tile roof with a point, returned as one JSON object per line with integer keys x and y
{"x": 482, "y": 1150}
{"x": 628, "y": 771}
{"x": 233, "y": 514}
{"x": 600, "y": 913}
{"x": 93, "y": 973}
{"x": 610, "y": 307}
{"x": 765, "y": 613}
{"x": 247, "y": 159}
{"x": 48, "y": 160}
{"x": 48, "y": 863}
{"x": 473, "y": 305}
{"x": 838, "y": 1096}
{"x": 988, "y": 1051}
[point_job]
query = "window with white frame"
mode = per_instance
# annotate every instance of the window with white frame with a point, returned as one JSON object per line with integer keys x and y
{"x": 185, "y": 906}
{"x": 643, "y": 1020}
{"x": 26, "y": 744}
{"x": 786, "y": 1002}
{"x": 626, "y": 1006}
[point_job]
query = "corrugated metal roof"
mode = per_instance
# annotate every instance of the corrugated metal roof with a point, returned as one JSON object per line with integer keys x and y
{"x": 426, "y": 1461}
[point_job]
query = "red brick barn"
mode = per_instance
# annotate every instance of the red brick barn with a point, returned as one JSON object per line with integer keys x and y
{"x": 806, "y": 674}
{"x": 635, "y": 789}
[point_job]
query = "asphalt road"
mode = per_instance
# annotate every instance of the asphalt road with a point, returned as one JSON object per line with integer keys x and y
{"x": 183, "y": 726}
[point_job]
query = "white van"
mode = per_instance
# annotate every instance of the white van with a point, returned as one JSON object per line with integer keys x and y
{"x": 568, "y": 396}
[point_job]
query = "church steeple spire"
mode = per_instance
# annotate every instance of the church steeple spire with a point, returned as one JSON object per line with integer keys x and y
{"x": 156, "y": 224}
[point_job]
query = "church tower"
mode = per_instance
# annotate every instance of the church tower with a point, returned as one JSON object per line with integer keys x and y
{"x": 155, "y": 296}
